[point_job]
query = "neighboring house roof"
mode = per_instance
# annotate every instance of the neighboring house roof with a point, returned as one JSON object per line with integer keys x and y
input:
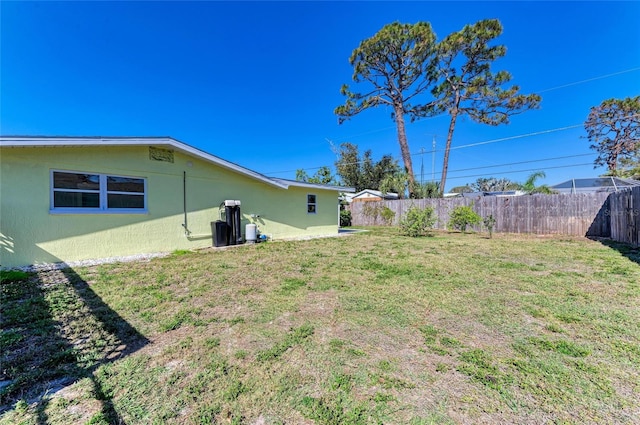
{"x": 64, "y": 141}
{"x": 370, "y": 193}
{"x": 595, "y": 184}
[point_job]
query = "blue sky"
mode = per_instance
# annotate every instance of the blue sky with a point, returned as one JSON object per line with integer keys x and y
{"x": 256, "y": 83}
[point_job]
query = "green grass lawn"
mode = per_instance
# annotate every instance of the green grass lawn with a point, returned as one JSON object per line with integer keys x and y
{"x": 370, "y": 328}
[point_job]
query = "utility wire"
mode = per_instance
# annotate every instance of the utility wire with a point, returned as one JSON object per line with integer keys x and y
{"x": 522, "y": 171}
{"x": 504, "y": 139}
{"x": 520, "y": 162}
{"x": 470, "y": 145}
{"x": 589, "y": 80}
{"x": 506, "y": 164}
{"x": 520, "y": 136}
{"x": 488, "y": 141}
{"x": 537, "y": 133}
{"x": 600, "y": 77}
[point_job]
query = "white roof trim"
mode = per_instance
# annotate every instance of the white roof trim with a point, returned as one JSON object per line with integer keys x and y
{"x": 52, "y": 141}
{"x": 45, "y": 141}
{"x": 308, "y": 185}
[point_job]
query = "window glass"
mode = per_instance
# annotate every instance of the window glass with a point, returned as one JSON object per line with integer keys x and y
{"x": 98, "y": 192}
{"x": 76, "y": 181}
{"x": 311, "y": 204}
{"x": 124, "y": 184}
{"x": 63, "y": 199}
{"x": 125, "y": 201}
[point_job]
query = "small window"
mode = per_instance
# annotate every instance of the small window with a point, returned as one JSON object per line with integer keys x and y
{"x": 87, "y": 192}
{"x": 311, "y": 204}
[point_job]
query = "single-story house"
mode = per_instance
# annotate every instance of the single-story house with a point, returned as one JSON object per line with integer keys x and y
{"x": 67, "y": 199}
{"x": 370, "y": 195}
{"x": 595, "y": 185}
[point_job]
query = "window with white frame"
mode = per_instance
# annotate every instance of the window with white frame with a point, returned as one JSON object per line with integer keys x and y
{"x": 91, "y": 192}
{"x": 311, "y": 204}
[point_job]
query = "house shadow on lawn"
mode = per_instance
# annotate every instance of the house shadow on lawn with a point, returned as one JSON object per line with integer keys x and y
{"x": 56, "y": 331}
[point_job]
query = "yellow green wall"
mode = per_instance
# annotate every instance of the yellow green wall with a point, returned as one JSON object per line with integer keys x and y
{"x": 30, "y": 234}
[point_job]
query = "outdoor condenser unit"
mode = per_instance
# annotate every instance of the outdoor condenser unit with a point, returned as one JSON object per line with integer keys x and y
{"x": 220, "y": 231}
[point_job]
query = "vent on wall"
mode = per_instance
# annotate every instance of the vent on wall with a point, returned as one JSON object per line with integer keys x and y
{"x": 159, "y": 154}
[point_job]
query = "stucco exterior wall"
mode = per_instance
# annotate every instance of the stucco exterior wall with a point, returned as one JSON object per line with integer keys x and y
{"x": 31, "y": 234}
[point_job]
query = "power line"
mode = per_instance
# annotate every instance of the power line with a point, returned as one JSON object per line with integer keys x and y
{"x": 521, "y": 162}
{"x": 600, "y": 77}
{"x": 422, "y": 152}
{"x": 470, "y": 145}
{"x": 537, "y": 133}
{"x": 523, "y": 171}
{"x": 503, "y": 139}
{"x": 506, "y": 164}
{"x": 589, "y": 80}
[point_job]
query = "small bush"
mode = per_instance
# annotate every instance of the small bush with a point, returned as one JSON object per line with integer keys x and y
{"x": 387, "y": 215}
{"x": 374, "y": 211}
{"x": 489, "y": 223}
{"x": 371, "y": 210}
{"x": 418, "y": 222}
{"x": 461, "y": 217}
{"x": 345, "y": 218}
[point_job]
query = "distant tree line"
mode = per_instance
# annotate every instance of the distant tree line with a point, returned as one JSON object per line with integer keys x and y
{"x": 492, "y": 184}
{"x": 361, "y": 171}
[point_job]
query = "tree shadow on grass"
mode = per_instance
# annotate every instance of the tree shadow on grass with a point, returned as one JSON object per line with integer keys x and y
{"x": 56, "y": 331}
{"x": 626, "y": 250}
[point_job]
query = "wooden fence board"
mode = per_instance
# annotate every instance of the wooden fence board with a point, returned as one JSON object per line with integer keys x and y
{"x": 576, "y": 214}
{"x": 615, "y": 215}
{"x": 625, "y": 216}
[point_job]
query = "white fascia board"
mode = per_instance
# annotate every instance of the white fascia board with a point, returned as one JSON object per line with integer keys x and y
{"x": 51, "y": 141}
{"x": 388, "y": 195}
{"x": 48, "y": 141}
{"x": 296, "y": 183}
{"x": 369, "y": 192}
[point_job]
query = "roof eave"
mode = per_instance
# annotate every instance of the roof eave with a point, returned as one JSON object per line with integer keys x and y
{"x": 53, "y": 141}
{"x": 296, "y": 183}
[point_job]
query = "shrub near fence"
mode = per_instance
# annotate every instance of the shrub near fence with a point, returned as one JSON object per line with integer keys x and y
{"x": 579, "y": 214}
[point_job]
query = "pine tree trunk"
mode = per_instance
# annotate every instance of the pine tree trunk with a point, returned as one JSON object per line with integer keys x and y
{"x": 445, "y": 165}
{"x": 404, "y": 148}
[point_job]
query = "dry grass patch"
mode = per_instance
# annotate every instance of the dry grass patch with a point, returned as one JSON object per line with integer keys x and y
{"x": 370, "y": 328}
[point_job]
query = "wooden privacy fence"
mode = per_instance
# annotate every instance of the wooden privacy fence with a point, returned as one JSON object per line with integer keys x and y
{"x": 577, "y": 214}
{"x": 624, "y": 213}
